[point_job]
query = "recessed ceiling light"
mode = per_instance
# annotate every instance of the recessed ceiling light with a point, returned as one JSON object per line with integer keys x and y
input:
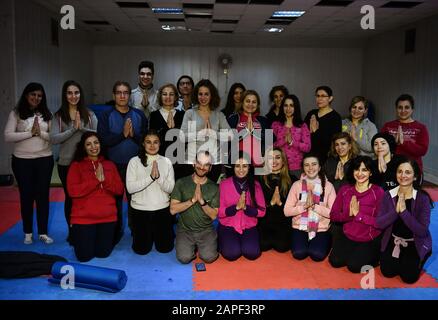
{"x": 272, "y": 29}
{"x": 168, "y": 10}
{"x": 287, "y": 14}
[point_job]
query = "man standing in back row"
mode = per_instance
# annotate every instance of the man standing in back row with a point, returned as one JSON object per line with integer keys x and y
{"x": 144, "y": 97}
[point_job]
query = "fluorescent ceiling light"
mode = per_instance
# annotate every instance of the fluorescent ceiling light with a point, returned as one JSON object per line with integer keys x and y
{"x": 168, "y": 10}
{"x": 167, "y": 27}
{"x": 272, "y": 29}
{"x": 287, "y": 14}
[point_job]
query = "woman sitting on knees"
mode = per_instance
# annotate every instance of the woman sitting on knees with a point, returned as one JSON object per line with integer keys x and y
{"x": 241, "y": 204}
{"x": 405, "y": 216}
{"x": 342, "y": 151}
{"x": 309, "y": 202}
{"x": 357, "y": 205}
{"x": 274, "y": 227}
{"x": 384, "y": 146}
{"x": 150, "y": 180}
{"x": 92, "y": 183}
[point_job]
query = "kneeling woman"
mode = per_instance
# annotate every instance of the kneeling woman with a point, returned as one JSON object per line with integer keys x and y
{"x": 92, "y": 183}
{"x": 405, "y": 216}
{"x": 150, "y": 180}
{"x": 274, "y": 227}
{"x": 356, "y": 205}
{"x": 309, "y": 202}
{"x": 241, "y": 204}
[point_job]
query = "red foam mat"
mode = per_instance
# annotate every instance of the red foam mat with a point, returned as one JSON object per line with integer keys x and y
{"x": 10, "y": 205}
{"x": 275, "y": 270}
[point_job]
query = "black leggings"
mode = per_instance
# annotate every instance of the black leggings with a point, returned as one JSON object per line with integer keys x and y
{"x": 63, "y": 172}
{"x": 408, "y": 266}
{"x": 150, "y": 227}
{"x": 33, "y": 177}
{"x": 355, "y": 255}
{"x": 93, "y": 240}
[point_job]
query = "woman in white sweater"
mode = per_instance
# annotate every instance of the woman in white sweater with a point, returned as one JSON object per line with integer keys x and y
{"x": 28, "y": 127}
{"x": 150, "y": 180}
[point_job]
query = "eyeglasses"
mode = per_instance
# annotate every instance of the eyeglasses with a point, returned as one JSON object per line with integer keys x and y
{"x": 185, "y": 83}
{"x": 321, "y": 96}
{"x": 122, "y": 93}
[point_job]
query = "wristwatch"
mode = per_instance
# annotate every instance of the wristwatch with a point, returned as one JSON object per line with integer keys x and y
{"x": 205, "y": 203}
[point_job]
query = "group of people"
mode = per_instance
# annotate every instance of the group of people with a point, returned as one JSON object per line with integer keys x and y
{"x": 328, "y": 187}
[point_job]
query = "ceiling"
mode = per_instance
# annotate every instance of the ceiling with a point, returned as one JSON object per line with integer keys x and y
{"x": 328, "y": 19}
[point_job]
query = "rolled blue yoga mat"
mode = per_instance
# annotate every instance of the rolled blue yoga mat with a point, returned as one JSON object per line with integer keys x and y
{"x": 91, "y": 277}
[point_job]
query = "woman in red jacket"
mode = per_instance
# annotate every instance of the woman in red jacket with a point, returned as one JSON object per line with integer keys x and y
{"x": 93, "y": 182}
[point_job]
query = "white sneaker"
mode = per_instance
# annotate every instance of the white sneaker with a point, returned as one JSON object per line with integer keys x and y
{"x": 28, "y": 238}
{"x": 45, "y": 238}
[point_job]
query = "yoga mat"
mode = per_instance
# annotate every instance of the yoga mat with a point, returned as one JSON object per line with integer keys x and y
{"x": 91, "y": 277}
{"x": 275, "y": 270}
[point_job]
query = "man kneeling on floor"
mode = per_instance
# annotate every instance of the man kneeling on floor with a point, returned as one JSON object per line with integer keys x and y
{"x": 196, "y": 199}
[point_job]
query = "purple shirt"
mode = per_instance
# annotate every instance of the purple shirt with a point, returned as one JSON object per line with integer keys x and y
{"x": 417, "y": 220}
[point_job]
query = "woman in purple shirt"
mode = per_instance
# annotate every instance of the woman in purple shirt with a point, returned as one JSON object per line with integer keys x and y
{"x": 405, "y": 217}
{"x": 356, "y": 205}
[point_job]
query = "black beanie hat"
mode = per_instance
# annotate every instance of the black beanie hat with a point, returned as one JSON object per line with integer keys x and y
{"x": 389, "y": 139}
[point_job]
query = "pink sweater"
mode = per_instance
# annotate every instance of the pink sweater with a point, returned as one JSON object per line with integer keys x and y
{"x": 229, "y": 197}
{"x": 301, "y": 143}
{"x": 294, "y": 207}
{"x": 360, "y": 228}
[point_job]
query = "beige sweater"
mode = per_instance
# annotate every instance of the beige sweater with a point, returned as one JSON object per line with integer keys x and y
{"x": 26, "y": 146}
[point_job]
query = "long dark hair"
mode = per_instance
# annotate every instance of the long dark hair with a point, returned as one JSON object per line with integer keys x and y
{"x": 80, "y": 152}
{"x": 142, "y": 150}
{"x": 64, "y": 112}
{"x": 272, "y": 92}
{"x": 321, "y": 173}
{"x": 297, "y": 119}
{"x": 215, "y": 99}
{"x": 250, "y": 177}
{"x": 23, "y": 108}
{"x": 230, "y": 107}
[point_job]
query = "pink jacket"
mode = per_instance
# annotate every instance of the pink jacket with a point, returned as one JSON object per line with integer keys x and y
{"x": 294, "y": 207}
{"x": 301, "y": 143}
{"x": 229, "y": 196}
{"x": 361, "y": 228}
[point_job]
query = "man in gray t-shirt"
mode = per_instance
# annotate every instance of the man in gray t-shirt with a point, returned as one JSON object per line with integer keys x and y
{"x": 196, "y": 199}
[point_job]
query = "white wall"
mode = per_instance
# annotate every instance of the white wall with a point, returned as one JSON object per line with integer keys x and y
{"x": 29, "y": 56}
{"x": 389, "y": 72}
{"x": 38, "y": 60}
{"x": 300, "y": 69}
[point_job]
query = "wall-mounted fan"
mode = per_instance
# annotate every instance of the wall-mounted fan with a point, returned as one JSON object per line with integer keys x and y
{"x": 224, "y": 60}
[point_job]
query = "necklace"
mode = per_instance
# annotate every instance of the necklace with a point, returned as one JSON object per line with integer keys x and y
{"x": 242, "y": 185}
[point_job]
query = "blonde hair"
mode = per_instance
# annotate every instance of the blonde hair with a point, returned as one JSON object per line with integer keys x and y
{"x": 285, "y": 180}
